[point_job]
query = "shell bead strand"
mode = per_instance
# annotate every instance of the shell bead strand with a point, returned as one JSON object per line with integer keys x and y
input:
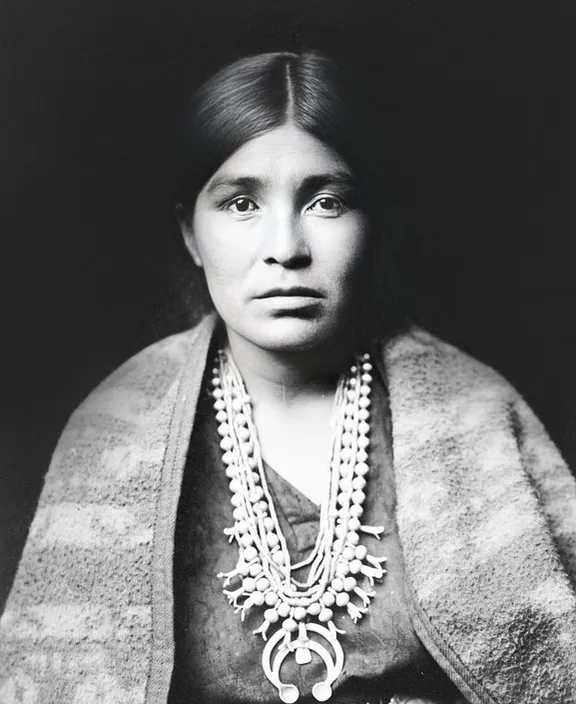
{"x": 301, "y": 612}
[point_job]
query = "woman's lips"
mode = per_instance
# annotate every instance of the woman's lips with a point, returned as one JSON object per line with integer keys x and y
{"x": 290, "y": 299}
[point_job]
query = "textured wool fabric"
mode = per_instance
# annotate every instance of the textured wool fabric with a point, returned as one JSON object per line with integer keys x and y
{"x": 486, "y": 513}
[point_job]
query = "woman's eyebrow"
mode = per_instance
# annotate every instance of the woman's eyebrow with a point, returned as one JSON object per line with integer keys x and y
{"x": 313, "y": 182}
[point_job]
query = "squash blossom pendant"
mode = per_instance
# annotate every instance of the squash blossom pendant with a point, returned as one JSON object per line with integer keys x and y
{"x": 298, "y": 616}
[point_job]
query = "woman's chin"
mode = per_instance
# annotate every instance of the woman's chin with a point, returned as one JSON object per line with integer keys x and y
{"x": 287, "y": 334}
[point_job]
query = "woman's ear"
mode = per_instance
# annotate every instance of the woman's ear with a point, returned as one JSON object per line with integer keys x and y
{"x": 188, "y": 234}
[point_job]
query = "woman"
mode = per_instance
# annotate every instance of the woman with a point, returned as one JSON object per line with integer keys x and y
{"x": 299, "y": 499}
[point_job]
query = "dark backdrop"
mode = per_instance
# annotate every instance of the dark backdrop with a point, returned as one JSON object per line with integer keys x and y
{"x": 477, "y": 106}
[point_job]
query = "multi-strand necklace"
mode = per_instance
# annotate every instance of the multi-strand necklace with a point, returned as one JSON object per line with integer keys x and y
{"x": 299, "y": 614}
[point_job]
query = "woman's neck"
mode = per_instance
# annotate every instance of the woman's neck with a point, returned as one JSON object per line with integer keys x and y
{"x": 284, "y": 378}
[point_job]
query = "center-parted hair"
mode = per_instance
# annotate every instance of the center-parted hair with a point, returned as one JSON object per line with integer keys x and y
{"x": 257, "y": 94}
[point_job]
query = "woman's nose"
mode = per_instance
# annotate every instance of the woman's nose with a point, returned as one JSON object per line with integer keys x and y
{"x": 284, "y": 242}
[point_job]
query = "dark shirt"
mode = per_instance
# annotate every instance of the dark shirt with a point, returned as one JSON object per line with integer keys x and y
{"x": 218, "y": 659}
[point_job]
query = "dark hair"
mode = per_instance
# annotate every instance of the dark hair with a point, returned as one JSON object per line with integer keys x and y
{"x": 257, "y": 94}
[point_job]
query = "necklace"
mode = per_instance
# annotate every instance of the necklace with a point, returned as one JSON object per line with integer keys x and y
{"x": 299, "y": 612}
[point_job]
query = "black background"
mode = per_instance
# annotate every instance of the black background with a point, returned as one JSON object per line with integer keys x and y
{"x": 477, "y": 99}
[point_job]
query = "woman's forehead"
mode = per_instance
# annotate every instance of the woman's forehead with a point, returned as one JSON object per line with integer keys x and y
{"x": 286, "y": 154}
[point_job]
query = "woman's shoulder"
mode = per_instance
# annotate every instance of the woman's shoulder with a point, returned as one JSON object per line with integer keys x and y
{"x": 148, "y": 376}
{"x": 422, "y": 355}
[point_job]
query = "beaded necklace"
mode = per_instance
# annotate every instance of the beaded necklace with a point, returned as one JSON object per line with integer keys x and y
{"x": 297, "y": 610}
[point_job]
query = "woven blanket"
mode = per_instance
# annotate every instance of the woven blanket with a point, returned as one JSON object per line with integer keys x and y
{"x": 486, "y": 513}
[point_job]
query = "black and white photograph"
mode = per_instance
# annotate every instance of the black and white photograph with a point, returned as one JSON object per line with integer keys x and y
{"x": 288, "y": 379}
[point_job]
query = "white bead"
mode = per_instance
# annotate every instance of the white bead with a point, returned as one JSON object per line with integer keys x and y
{"x": 268, "y": 523}
{"x": 283, "y": 609}
{"x": 271, "y": 598}
{"x": 216, "y": 381}
{"x": 358, "y": 496}
{"x": 328, "y": 599}
{"x": 243, "y": 433}
{"x": 232, "y": 469}
{"x": 228, "y": 459}
{"x": 237, "y": 405}
{"x": 246, "y": 540}
{"x": 358, "y": 483}
{"x": 252, "y": 462}
{"x": 262, "y": 584}
{"x": 219, "y": 405}
{"x": 340, "y": 530}
{"x": 366, "y": 378}
{"x": 355, "y": 566}
{"x": 367, "y": 367}
{"x": 241, "y": 419}
{"x": 257, "y": 598}
{"x": 360, "y": 552}
{"x": 272, "y": 540}
{"x": 243, "y": 569}
{"x": 361, "y": 469}
{"x": 342, "y": 599}
{"x": 250, "y": 553}
{"x": 314, "y": 609}
{"x": 348, "y": 553}
{"x": 350, "y": 584}
{"x": 348, "y": 424}
{"x": 345, "y": 485}
{"x": 239, "y": 513}
{"x": 363, "y": 428}
{"x": 278, "y": 557}
{"x": 356, "y": 511}
{"x": 353, "y": 369}
{"x": 236, "y": 500}
{"x": 337, "y": 584}
{"x": 351, "y": 396}
{"x": 271, "y": 615}
{"x": 363, "y": 414}
{"x": 350, "y": 409}
{"x": 221, "y": 416}
{"x": 325, "y": 615}
{"x": 290, "y": 625}
{"x": 299, "y": 613}
{"x": 241, "y": 527}
{"x": 345, "y": 470}
{"x": 364, "y": 402}
{"x": 342, "y": 569}
{"x": 262, "y": 505}
{"x": 256, "y": 495}
{"x": 363, "y": 442}
{"x": 354, "y": 524}
{"x": 337, "y": 545}
{"x": 256, "y": 477}
{"x": 249, "y": 584}
{"x": 235, "y": 485}
{"x": 361, "y": 455}
{"x": 353, "y": 538}
{"x": 226, "y": 444}
{"x": 342, "y": 499}
{"x": 347, "y": 439}
{"x": 346, "y": 454}
{"x": 256, "y": 569}
{"x": 217, "y": 393}
{"x": 364, "y": 390}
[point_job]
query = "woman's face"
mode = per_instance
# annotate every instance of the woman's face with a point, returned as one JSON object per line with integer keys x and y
{"x": 281, "y": 239}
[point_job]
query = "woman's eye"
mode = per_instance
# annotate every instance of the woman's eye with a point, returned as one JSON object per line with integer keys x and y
{"x": 241, "y": 205}
{"x": 328, "y": 205}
